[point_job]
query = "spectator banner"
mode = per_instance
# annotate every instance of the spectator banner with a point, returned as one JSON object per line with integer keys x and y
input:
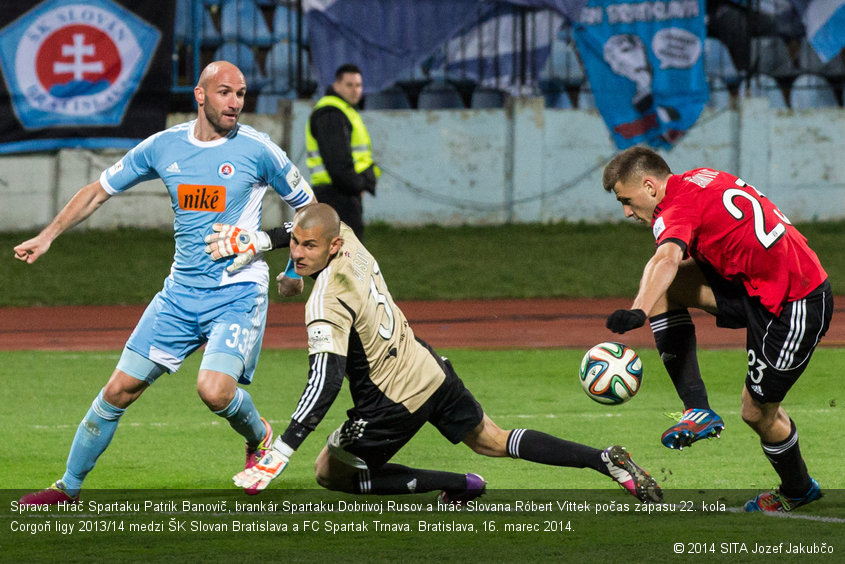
{"x": 388, "y": 39}
{"x": 83, "y": 73}
{"x": 644, "y": 62}
{"x": 491, "y": 51}
{"x": 825, "y": 24}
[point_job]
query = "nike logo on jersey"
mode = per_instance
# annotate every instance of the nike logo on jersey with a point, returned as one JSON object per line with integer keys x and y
{"x": 174, "y": 167}
{"x": 198, "y": 197}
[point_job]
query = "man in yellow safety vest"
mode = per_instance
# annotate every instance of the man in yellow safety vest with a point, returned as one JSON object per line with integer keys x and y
{"x": 340, "y": 155}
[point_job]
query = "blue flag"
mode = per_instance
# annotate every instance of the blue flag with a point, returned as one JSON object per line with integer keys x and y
{"x": 388, "y": 40}
{"x": 825, "y": 24}
{"x": 644, "y": 62}
{"x": 491, "y": 51}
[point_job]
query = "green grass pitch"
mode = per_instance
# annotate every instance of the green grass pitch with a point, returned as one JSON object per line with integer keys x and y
{"x": 169, "y": 441}
{"x": 551, "y": 263}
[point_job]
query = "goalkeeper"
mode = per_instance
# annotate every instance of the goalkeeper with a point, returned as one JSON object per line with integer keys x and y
{"x": 398, "y": 383}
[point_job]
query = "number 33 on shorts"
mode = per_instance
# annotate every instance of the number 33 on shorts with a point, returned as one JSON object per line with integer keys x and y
{"x": 239, "y": 338}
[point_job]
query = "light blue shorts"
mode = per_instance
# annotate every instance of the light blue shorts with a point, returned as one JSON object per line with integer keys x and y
{"x": 229, "y": 320}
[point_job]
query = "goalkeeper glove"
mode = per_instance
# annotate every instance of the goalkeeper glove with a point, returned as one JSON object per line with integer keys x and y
{"x": 258, "y": 477}
{"x": 229, "y": 240}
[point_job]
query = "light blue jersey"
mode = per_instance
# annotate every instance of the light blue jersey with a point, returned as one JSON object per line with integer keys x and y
{"x": 220, "y": 181}
{"x": 200, "y": 304}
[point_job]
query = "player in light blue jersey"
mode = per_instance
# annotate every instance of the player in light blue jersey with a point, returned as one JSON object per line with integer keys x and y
{"x": 216, "y": 172}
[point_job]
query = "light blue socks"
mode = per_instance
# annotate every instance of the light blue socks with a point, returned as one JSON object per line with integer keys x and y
{"x": 92, "y": 437}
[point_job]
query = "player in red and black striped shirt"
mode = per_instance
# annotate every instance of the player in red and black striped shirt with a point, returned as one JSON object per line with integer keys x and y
{"x": 723, "y": 247}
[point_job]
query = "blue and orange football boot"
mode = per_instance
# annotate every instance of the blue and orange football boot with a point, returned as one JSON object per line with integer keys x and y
{"x": 695, "y": 424}
{"x": 776, "y": 501}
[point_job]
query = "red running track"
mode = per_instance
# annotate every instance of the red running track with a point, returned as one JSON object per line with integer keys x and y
{"x": 495, "y": 324}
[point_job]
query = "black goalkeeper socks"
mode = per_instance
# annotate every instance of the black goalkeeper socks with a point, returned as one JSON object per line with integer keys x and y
{"x": 398, "y": 479}
{"x": 535, "y": 446}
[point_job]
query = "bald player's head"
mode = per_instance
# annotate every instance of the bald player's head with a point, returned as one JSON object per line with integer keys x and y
{"x": 319, "y": 215}
{"x": 220, "y": 93}
{"x": 314, "y": 238}
{"x": 217, "y": 71}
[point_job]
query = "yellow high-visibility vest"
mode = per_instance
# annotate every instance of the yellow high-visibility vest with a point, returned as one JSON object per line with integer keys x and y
{"x": 362, "y": 153}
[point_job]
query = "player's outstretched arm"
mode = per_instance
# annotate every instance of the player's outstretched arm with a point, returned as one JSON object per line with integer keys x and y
{"x": 326, "y": 376}
{"x": 85, "y": 202}
{"x": 658, "y": 275}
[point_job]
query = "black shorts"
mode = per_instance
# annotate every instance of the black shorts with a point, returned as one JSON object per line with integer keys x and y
{"x": 778, "y": 347}
{"x": 370, "y": 441}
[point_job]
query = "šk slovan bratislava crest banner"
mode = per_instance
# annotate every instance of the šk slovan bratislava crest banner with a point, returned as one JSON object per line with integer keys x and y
{"x": 83, "y": 73}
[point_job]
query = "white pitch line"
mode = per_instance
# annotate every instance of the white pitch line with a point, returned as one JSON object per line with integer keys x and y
{"x": 553, "y": 416}
{"x": 211, "y": 423}
{"x": 88, "y": 356}
{"x": 784, "y": 515}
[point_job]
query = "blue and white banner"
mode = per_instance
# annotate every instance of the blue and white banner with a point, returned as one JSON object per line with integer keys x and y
{"x": 506, "y": 49}
{"x": 644, "y": 62}
{"x": 824, "y": 21}
{"x": 385, "y": 39}
{"x": 388, "y": 40}
{"x": 83, "y": 73}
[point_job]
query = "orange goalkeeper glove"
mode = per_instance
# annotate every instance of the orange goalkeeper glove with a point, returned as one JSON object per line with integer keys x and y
{"x": 229, "y": 240}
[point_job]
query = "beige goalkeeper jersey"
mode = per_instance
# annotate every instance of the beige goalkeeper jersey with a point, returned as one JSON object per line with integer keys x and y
{"x": 351, "y": 313}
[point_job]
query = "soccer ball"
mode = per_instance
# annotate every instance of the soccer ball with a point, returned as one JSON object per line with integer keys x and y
{"x": 611, "y": 373}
